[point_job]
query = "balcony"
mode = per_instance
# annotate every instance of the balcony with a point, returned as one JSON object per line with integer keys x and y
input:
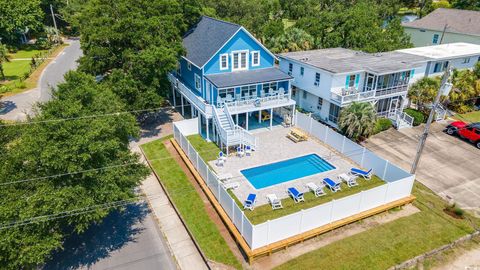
{"x": 352, "y": 94}
{"x": 197, "y": 101}
{"x": 254, "y": 103}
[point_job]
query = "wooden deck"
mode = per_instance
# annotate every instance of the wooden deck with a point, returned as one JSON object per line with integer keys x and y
{"x": 283, "y": 244}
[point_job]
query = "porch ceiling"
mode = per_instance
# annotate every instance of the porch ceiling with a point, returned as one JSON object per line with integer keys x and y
{"x": 239, "y": 78}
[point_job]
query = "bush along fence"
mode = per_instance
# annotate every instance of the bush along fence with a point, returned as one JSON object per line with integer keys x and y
{"x": 398, "y": 185}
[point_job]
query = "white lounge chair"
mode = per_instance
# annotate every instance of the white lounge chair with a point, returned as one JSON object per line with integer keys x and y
{"x": 274, "y": 201}
{"x": 219, "y": 162}
{"x": 225, "y": 177}
{"x": 349, "y": 179}
{"x": 317, "y": 190}
{"x": 231, "y": 185}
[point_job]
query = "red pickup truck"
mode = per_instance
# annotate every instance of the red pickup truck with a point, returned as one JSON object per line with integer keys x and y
{"x": 467, "y": 131}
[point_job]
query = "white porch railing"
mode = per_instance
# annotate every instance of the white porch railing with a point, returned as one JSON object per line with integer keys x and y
{"x": 349, "y": 95}
{"x": 197, "y": 101}
{"x": 258, "y": 102}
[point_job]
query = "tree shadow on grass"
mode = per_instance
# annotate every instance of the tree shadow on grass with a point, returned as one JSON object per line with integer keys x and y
{"x": 116, "y": 230}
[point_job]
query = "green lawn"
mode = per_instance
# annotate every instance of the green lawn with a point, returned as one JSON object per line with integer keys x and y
{"x": 209, "y": 151}
{"x": 469, "y": 117}
{"x": 25, "y": 53}
{"x": 189, "y": 204}
{"x": 393, "y": 242}
{"x": 15, "y": 69}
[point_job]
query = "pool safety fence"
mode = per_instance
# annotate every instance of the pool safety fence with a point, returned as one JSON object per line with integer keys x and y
{"x": 398, "y": 186}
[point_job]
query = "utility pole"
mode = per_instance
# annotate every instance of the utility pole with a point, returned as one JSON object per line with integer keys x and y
{"x": 423, "y": 139}
{"x": 54, "y": 21}
{"x": 443, "y": 33}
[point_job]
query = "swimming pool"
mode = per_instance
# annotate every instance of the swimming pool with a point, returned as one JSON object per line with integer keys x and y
{"x": 286, "y": 170}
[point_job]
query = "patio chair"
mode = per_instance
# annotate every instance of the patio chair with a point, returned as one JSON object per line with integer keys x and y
{"x": 240, "y": 152}
{"x": 222, "y": 156}
{"x": 229, "y": 98}
{"x": 250, "y": 202}
{"x": 219, "y": 162}
{"x": 274, "y": 201}
{"x": 318, "y": 191}
{"x": 351, "y": 180}
{"x": 365, "y": 174}
{"x": 248, "y": 150}
{"x": 296, "y": 195}
{"x": 231, "y": 185}
{"x": 332, "y": 185}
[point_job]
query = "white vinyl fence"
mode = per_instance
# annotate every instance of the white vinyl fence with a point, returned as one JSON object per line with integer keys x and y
{"x": 398, "y": 185}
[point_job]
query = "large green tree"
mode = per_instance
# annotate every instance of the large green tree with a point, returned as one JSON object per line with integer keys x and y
{"x": 466, "y": 89}
{"x": 19, "y": 15}
{"x": 423, "y": 92}
{"x": 358, "y": 120}
{"x": 141, "y": 39}
{"x": 52, "y": 147}
{"x": 3, "y": 58}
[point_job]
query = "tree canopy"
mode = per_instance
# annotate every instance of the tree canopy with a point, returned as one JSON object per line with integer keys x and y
{"x": 19, "y": 16}
{"x": 58, "y": 148}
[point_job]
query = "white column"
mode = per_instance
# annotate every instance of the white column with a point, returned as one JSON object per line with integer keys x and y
{"x": 183, "y": 110}
{"x": 173, "y": 93}
{"x": 236, "y": 116}
{"x": 260, "y": 116}
{"x": 200, "y": 124}
{"x": 208, "y": 135}
{"x": 246, "y": 124}
{"x": 271, "y": 118}
{"x": 192, "y": 112}
{"x": 293, "y": 115}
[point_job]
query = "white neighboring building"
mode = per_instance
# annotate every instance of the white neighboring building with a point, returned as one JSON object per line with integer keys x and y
{"x": 326, "y": 80}
{"x": 461, "y": 26}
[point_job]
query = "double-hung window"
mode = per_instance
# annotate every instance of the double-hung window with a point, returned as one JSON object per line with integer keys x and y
{"x": 351, "y": 80}
{"x": 317, "y": 79}
{"x": 224, "y": 61}
{"x": 189, "y": 66}
{"x": 319, "y": 103}
{"x": 466, "y": 60}
{"x": 302, "y": 71}
{"x": 435, "y": 39}
{"x": 239, "y": 60}
{"x": 198, "y": 82}
{"x": 255, "y": 58}
{"x": 290, "y": 68}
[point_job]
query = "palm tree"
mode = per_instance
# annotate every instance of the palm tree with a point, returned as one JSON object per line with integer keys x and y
{"x": 3, "y": 58}
{"x": 466, "y": 87}
{"x": 423, "y": 92}
{"x": 357, "y": 120}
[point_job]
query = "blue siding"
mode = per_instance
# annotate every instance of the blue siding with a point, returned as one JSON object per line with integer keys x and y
{"x": 241, "y": 41}
{"x": 188, "y": 76}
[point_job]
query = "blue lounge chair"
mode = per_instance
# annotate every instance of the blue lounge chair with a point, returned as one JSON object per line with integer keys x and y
{"x": 250, "y": 201}
{"x": 365, "y": 174}
{"x": 332, "y": 185}
{"x": 248, "y": 150}
{"x": 296, "y": 195}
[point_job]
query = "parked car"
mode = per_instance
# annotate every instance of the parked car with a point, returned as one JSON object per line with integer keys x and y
{"x": 467, "y": 131}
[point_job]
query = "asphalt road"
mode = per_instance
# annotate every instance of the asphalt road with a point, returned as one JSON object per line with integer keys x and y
{"x": 17, "y": 107}
{"x": 124, "y": 240}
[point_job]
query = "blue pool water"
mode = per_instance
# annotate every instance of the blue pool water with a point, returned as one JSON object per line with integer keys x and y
{"x": 283, "y": 171}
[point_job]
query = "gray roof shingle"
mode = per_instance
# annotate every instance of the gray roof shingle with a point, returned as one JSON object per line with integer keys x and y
{"x": 247, "y": 77}
{"x": 204, "y": 39}
{"x": 458, "y": 21}
{"x": 340, "y": 60}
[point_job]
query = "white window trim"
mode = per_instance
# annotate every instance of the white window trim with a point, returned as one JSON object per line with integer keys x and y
{"x": 195, "y": 82}
{"x": 239, "y": 66}
{"x": 258, "y": 54}
{"x": 189, "y": 66}
{"x": 223, "y": 55}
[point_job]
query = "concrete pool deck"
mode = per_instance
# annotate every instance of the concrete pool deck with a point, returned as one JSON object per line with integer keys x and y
{"x": 274, "y": 146}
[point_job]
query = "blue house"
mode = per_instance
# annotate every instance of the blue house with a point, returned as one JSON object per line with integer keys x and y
{"x": 229, "y": 80}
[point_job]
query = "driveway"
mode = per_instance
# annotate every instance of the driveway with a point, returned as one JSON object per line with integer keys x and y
{"x": 449, "y": 166}
{"x": 17, "y": 107}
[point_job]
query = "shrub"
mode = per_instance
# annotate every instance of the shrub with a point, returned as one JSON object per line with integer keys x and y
{"x": 382, "y": 124}
{"x": 418, "y": 116}
{"x": 20, "y": 85}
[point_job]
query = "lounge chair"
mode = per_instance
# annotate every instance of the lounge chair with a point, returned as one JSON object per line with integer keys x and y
{"x": 221, "y": 155}
{"x": 318, "y": 191}
{"x": 351, "y": 180}
{"x": 250, "y": 202}
{"x": 240, "y": 152}
{"x": 296, "y": 195}
{"x": 225, "y": 177}
{"x": 332, "y": 185}
{"x": 219, "y": 162}
{"x": 231, "y": 185}
{"x": 274, "y": 201}
{"x": 248, "y": 150}
{"x": 365, "y": 174}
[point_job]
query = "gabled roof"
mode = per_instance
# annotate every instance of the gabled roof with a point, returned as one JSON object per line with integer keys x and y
{"x": 340, "y": 60}
{"x": 457, "y": 20}
{"x": 255, "y": 76}
{"x": 207, "y": 37}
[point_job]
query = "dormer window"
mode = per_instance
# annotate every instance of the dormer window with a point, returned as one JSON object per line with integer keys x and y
{"x": 224, "y": 61}
{"x": 255, "y": 58}
{"x": 239, "y": 60}
{"x": 189, "y": 66}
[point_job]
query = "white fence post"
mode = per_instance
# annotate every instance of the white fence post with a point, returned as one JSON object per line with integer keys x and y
{"x": 198, "y": 167}
{"x": 310, "y": 126}
{"x": 241, "y": 227}
{"x": 343, "y": 144}
{"x": 233, "y": 210}
{"x": 385, "y": 170}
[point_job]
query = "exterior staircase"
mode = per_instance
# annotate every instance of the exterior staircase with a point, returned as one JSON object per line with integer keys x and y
{"x": 229, "y": 133}
{"x": 440, "y": 112}
{"x": 401, "y": 119}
